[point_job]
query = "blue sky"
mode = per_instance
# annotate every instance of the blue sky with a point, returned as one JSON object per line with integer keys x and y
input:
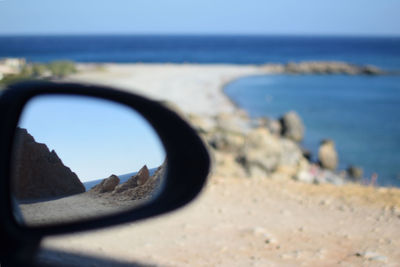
{"x": 321, "y": 17}
{"x": 93, "y": 137}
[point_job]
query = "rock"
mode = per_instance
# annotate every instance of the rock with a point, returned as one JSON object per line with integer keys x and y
{"x": 107, "y": 185}
{"x": 274, "y": 126}
{"x": 355, "y": 172}
{"x": 201, "y": 124}
{"x": 306, "y": 153}
{"x": 226, "y": 165}
{"x": 371, "y": 70}
{"x": 327, "y": 155}
{"x": 321, "y": 67}
{"x": 39, "y": 173}
{"x": 305, "y": 176}
{"x": 145, "y": 187}
{"x": 139, "y": 192}
{"x": 273, "y": 68}
{"x": 136, "y": 180}
{"x": 225, "y": 141}
{"x": 233, "y": 123}
{"x": 372, "y": 256}
{"x": 292, "y": 126}
{"x": 327, "y": 176}
{"x": 261, "y": 152}
{"x": 314, "y": 174}
{"x": 291, "y": 153}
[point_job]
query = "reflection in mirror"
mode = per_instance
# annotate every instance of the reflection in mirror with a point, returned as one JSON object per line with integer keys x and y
{"x": 78, "y": 157}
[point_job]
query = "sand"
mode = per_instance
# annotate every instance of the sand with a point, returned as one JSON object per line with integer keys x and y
{"x": 241, "y": 222}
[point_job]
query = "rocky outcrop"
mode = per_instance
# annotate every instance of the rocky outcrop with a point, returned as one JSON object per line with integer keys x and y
{"x": 261, "y": 149}
{"x": 273, "y": 126}
{"x": 40, "y": 173}
{"x": 138, "y": 179}
{"x": 107, "y": 185}
{"x": 292, "y": 126}
{"x": 145, "y": 190}
{"x": 355, "y": 173}
{"x": 226, "y": 141}
{"x": 327, "y": 155}
{"x": 139, "y": 186}
{"x": 261, "y": 152}
{"x": 321, "y": 67}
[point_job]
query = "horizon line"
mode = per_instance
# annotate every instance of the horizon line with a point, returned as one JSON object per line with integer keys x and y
{"x": 202, "y": 34}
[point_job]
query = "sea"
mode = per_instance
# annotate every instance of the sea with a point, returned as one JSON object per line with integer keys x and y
{"x": 360, "y": 113}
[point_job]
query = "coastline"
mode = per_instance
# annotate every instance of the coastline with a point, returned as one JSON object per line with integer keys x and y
{"x": 196, "y": 91}
{"x": 270, "y": 221}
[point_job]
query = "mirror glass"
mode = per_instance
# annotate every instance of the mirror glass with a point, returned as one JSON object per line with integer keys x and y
{"x": 78, "y": 157}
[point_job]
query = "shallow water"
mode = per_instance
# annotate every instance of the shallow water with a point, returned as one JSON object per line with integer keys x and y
{"x": 360, "y": 113}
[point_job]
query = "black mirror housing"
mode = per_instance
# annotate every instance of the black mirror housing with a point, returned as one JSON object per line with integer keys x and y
{"x": 188, "y": 161}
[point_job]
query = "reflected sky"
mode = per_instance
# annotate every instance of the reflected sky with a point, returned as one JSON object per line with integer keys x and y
{"x": 94, "y": 137}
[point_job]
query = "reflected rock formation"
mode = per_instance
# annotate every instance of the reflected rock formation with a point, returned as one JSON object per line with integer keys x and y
{"x": 39, "y": 173}
{"x": 107, "y": 185}
{"x": 139, "y": 186}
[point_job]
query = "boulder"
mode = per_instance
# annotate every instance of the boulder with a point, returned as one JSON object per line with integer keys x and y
{"x": 160, "y": 172}
{"x": 261, "y": 152}
{"x": 371, "y": 70}
{"x": 225, "y": 141}
{"x": 38, "y": 172}
{"x": 355, "y": 173}
{"x": 274, "y": 126}
{"x": 291, "y": 153}
{"x": 107, "y": 185}
{"x": 233, "y": 122}
{"x": 292, "y": 126}
{"x": 144, "y": 189}
{"x": 136, "y": 180}
{"x": 327, "y": 155}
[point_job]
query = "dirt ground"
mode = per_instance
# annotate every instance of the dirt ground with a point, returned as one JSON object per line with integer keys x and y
{"x": 243, "y": 222}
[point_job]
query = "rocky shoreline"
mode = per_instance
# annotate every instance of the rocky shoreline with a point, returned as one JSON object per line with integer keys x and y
{"x": 266, "y": 148}
{"x": 232, "y": 143}
{"x": 325, "y": 67}
{"x": 240, "y": 146}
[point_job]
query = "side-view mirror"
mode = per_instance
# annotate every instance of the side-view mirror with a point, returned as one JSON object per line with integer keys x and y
{"x": 77, "y": 157}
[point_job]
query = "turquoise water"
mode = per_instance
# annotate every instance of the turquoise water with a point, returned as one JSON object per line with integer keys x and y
{"x": 360, "y": 113}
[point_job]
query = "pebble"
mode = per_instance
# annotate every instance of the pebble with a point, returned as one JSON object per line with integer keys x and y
{"x": 291, "y": 255}
{"x": 372, "y": 256}
{"x": 325, "y": 202}
{"x": 270, "y": 240}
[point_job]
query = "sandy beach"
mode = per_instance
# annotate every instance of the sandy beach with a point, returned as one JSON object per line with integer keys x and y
{"x": 237, "y": 220}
